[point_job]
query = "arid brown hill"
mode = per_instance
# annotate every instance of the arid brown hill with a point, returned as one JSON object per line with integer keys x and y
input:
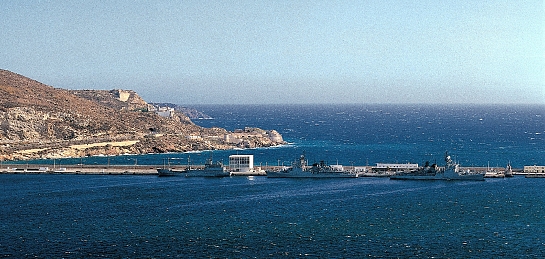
{"x": 39, "y": 121}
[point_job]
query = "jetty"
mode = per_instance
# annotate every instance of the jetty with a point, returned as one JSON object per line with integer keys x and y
{"x": 101, "y": 169}
{"x": 95, "y": 169}
{"x": 80, "y": 169}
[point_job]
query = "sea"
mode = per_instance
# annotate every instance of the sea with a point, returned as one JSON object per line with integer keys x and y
{"x": 145, "y": 216}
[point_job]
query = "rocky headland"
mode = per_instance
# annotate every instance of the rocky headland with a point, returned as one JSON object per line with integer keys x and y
{"x": 40, "y": 121}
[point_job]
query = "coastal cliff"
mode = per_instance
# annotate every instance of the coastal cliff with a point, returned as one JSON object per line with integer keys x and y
{"x": 40, "y": 121}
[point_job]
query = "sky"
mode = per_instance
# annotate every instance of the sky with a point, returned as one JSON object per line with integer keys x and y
{"x": 283, "y": 52}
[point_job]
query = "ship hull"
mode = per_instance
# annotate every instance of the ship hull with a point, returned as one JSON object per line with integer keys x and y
{"x": 449, "y": 175}
{"x": 438, "y": 177}
{"x": 168, "y": 172}
{"x": 451, "y": 172}
{"x": 193, "y": 173}
{"x": 308, "y": 174}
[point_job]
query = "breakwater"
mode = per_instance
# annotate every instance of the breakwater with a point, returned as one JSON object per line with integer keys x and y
{"x": 81, "y": 169}
{"x": 95, "y": 169}
{"x": 152, "y": 169}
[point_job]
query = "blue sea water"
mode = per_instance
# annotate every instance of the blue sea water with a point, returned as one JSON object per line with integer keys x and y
{"x": 90, "y": 216}
{"x": 475, "y": 135}
{"x": 368, "y": 134}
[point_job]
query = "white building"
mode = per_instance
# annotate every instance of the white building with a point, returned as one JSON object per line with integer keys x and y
{"x": 534, "y": 169}
{"x": 241, "y": 163}
{"x": 166, "y": 112}
{"x": 382, "y": 166}
{"x": 360, "y": 169}
{"x": 244, "y": 165}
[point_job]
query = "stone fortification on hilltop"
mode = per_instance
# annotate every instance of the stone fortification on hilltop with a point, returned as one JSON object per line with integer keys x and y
{"x": 116, "y": 99}
{"x": 39, "y": 121}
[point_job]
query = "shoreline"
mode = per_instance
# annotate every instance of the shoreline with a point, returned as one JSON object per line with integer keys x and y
{"x": 78, "y": 169}
{"x": 81, "y": 169}
{"x": 99, "y": 169}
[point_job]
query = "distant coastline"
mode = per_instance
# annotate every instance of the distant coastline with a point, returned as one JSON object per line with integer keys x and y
{"x": 41, "y": 122}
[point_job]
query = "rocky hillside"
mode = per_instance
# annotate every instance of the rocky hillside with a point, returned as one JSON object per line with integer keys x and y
{"x": 187, "y": 111}
{"x": 39, "y": 121}
{"x": 116, "y": 99}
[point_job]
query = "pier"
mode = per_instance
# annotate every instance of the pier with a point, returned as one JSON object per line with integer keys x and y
{"x": 152, "y": 169}
{"x": 99, "y": 169}
{"x": 81, "y": 169}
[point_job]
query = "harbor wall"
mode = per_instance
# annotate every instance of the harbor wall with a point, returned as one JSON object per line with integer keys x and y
{"x": 100, "y": 169}
{"x": 152, "y": 169}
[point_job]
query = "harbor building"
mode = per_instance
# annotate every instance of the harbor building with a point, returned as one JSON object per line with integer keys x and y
{"x": 394, "y": 167}
{"x": 360, "y": 169}
{"x": 534, "y": 169}
{"x": 243, "y": 165}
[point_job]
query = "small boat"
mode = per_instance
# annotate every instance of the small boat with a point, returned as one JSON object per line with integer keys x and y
{"x": 451, "y": 171}
{"x": 210, "y": 169}
{"x": 300, "y": 169}
{"x": 492, "y": 173}
{"x": 508, "y": 172}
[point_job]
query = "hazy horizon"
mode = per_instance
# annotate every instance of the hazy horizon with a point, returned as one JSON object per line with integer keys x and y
{"x": 284, "y": 52}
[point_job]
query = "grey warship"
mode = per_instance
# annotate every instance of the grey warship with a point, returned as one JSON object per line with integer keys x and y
{"x": 300, "y": 169}
{"x": 451, "y": 171}
{"x": 210, "y": 169}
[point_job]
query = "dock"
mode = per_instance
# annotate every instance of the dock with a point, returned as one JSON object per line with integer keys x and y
{"x": 105, "y": 169}
{"x": 81, "y": 169}
{"x": 152, "y": 169}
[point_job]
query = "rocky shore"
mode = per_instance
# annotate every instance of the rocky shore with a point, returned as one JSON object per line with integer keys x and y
{"x": 39, "y": 121}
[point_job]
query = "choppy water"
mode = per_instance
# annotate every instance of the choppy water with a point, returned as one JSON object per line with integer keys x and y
{"x": 75, "y": 216}
{"x": 370, "y": 134}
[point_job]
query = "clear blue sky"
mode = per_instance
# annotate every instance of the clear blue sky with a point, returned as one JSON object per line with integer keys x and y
{"x": 209, "y": 52}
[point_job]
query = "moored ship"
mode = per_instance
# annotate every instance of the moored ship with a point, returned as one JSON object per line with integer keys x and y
{"x": 300, "y": 169}
{"x": 496, "y": 173}
{"x": 451, "y": 171}
{"x": 210, "y": 169}
{"x": 508, "y": 170}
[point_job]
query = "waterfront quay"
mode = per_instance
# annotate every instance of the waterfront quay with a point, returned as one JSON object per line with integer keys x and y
{"x": 152, "y": 169}
{"x": 80, "y": 169}
{"x": 95, "y": 169}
